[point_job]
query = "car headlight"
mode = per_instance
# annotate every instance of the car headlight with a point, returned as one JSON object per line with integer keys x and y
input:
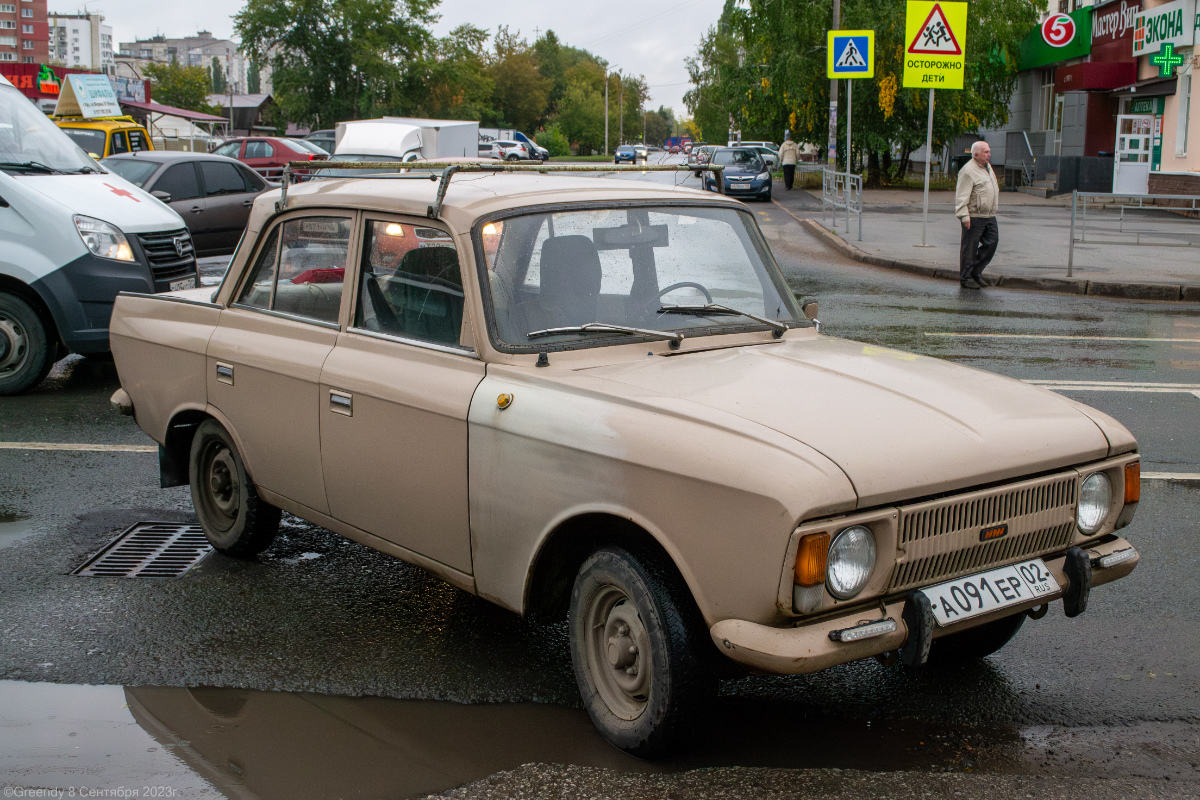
{"x": 851, "y": 559}
{"x": 103, "y": 239}
{"x": 1095, "y": 498}
{"x": 764, "y": 176}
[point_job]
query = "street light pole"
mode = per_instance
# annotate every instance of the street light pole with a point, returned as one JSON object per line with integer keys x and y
{"x": 833, "y": 97}
{"x": 621, "y": 109}
{"x": 606, "y": 150}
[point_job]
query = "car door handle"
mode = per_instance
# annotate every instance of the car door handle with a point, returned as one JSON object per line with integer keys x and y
{"x": 225, "y": 373}
{"x": 196, "y": 209}
{"x": 341, "y": 403}
{"x": 248, "y": 203}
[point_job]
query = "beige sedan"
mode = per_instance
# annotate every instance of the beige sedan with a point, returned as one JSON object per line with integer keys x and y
{"x": 599, "y": 399}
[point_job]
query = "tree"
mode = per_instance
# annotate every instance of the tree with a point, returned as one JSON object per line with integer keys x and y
{"x": 218, "y": 77}
{"x": 253, "y": 78}
{"x": 183, "y": 87}
{"x": 335, "y": 60}
{"x": 457, "y": 81}
{"x": 522, "y": 92}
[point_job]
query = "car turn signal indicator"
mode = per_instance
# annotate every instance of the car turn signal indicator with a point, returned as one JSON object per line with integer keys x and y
{"x": 811, "y": 559}
{"x": 1133, "y": 482}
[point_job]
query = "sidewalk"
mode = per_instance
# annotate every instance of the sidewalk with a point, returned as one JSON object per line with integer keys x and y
{"x": 1034, "y": 242}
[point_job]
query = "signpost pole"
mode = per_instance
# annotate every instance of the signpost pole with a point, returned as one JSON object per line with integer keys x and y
{"x": 928, "y": 158}
{"x": 849, "y": 152}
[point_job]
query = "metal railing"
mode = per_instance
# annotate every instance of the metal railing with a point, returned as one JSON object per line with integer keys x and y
{"x": 1161, "y": 225}
{"x": 842, "y": 190}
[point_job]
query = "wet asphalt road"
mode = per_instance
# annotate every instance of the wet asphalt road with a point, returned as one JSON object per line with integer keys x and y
{"x": 1106, "y": 705}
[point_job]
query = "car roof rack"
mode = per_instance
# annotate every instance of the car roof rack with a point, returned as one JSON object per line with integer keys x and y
{"x": 426, "y": 171}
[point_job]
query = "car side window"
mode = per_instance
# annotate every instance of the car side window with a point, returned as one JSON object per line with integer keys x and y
{"x": 179, "y": 181}
{"x": 221, "y": 177}
{"x": 410, "y": 284}
{"x": 137, "y": 141}
{"x": 230, "y": 150}
{"x": 250, "y": 179}
{"x": 119, "y": 143}
{"x": 307, "y": 276}
{"x": 258, "y": 150}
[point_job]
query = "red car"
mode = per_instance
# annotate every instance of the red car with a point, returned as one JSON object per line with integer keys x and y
{"x": 267, "y": 155}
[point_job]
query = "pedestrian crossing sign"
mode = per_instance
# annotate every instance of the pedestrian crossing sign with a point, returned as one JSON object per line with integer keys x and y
{"x": 851, "y": 54}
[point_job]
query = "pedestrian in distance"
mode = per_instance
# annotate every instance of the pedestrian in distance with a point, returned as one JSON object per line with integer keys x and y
{"x": 789, "y": 154}
{"x": 976, "y": 201}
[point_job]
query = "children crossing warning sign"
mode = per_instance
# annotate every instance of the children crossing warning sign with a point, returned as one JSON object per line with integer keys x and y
{"x": 851, "y": 54}
{"x": 936, "y": 33}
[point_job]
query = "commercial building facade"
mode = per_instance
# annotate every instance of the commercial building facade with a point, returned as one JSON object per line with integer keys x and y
{"x": 24, "y": 38}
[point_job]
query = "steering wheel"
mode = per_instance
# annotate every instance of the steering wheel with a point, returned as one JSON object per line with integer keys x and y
{"x": 708, "y": 298}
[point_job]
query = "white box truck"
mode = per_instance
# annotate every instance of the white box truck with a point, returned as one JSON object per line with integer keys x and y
{"x": 406, "y": 139}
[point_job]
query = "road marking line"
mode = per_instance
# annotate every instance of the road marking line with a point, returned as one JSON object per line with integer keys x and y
{"x": 93, "y": 448}
{"x": 1117, "y": 386}
{"x": 1061, "y": 336}
{"x": 1171, "y": 476}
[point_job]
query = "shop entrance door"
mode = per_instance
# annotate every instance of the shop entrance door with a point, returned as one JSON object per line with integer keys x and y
{"x": 1131, "y": 166}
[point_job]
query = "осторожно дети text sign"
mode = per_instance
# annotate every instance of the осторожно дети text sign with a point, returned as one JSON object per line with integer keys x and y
{"x": 936, "y": 51}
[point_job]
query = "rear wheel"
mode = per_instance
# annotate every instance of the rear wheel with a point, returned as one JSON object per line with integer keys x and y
{"x": 26, "y": 354}
{"x": 975, "y": 643}
{"x": 635, "y": 651}
{"x": 235, "y": 519}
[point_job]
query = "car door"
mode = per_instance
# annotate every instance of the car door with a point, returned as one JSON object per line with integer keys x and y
{"x": 260, "y": 155}
{"x": 180, "y": 181}
{"x": 395, "y": 393}
{"x": 229, "y": 191}
{"x": 265, "y": 358}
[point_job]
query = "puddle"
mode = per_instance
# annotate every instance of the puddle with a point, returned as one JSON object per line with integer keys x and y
{"x": 13, "y": 528}
{"x": 205, "y": 742}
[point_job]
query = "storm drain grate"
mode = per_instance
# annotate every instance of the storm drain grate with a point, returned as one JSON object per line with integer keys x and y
{"x": 150, "y": 550}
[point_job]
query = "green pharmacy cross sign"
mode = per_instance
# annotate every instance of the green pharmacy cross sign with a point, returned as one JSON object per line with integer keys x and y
{"x": 1166, "y": 60}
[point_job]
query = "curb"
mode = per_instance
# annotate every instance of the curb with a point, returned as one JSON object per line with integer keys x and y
{"x": 1123, "y": 289}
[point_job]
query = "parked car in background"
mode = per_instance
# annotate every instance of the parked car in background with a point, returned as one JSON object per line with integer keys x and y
{"x": 681, "y": 473}
{"x": 700, "y": 155}
{"x": 769, "y": 156}
{"x": 324, "y": 139}
{"x": 512, "y": 150}
{"x": 643, "y": 152}
{"x": 625, "y": 152}
{"x": 769, "y": 145}
{"x": 268, "y": 155}
{"x": 212, "y": 193}
{"x": 745, "y": 173}
{"x": 106, "y": 136}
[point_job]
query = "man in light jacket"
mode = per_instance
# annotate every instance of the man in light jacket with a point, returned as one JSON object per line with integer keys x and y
{"x": 789, "y": 154}
{"x": 975, "y": 202}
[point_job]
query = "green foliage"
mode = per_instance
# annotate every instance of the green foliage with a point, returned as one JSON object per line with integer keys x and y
{"x": 336, "y": 60}
{"x": 183, "y": 87}
{"x": 762, "y": 69}
{"x": 219, "y": 83}
{"x": 253, "y": 78}
{"x": 554, "y": 140}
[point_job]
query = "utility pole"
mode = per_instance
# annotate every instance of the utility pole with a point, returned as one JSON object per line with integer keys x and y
{"x": 606, "y": 150}
{"x": 621, "y": 114}
{"x": 833, "y": 97}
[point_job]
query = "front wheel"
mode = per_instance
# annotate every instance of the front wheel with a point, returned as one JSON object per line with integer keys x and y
{"x": 635, "y": 651}
{"x": 235, "y": 519}
{"x": 26, "y": 354}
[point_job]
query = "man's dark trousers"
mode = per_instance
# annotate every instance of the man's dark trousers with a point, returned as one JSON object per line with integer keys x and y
{"x": 978, "y": 246}
{"x": 789, "y": 175}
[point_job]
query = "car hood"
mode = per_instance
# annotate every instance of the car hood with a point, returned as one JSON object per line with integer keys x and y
{"x": 898, "y": 424}
{"x": 108, "y": 197}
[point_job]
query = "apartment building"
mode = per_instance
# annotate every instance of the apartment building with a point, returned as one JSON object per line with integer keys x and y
{"x": 80, "y": 40}
{"x": 24, "y": 37}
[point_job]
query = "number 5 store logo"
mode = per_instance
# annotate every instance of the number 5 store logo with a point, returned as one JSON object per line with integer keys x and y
{"x": 1058, "y": 30}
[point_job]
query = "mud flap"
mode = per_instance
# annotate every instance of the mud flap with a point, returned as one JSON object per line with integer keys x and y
{"x": 918, "y": 617}
{"x": 1078, "y": 568}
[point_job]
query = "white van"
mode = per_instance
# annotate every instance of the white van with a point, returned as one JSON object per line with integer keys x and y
{"x": 72, "y": 236}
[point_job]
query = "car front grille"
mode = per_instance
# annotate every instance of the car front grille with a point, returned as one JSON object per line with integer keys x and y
{"x": 168, "y": 263}
{"x": 942, "y": 539}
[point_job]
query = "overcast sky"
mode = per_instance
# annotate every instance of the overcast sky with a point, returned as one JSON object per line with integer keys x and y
{"x": 650, "y": 37}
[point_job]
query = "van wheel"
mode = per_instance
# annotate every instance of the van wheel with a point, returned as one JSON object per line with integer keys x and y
{"x": 636, "y": 657}
{"x": 25, "y": 352}
{"x": 975, "y": 643}
{"x": 235, "y": 519}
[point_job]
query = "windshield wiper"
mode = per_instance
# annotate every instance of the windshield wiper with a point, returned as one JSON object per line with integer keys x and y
{"x": 36, "y": 166}
{"x": 777, "y": 327}
{"x": 604, "y": 327}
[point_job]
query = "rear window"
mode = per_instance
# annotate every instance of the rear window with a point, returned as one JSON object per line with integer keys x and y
{"x": 308, "y": 147}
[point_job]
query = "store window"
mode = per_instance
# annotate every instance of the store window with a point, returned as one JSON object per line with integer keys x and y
{"x": 1184, "y": 93}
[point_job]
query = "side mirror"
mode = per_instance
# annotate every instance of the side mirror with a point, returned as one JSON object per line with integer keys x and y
{"x": 161, "y": 195}
{"x": 809, "y": 307}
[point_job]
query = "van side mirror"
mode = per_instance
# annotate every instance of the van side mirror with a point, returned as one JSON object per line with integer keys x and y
{"x": 809, "y": 307}
{"x": 161, "y": 195}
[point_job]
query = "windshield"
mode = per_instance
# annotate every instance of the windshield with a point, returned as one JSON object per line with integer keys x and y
{"x": 135, "y": 170}
{"x": 741, "y": 158}
{"x": 26, "y": 134}
{"x": 626, "y": 267}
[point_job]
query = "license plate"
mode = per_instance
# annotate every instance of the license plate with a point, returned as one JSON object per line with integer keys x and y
{"x": 186, "y": 283}
{"x": 955, "y": 601}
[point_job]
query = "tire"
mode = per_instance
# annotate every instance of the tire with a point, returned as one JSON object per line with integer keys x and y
{"x": 636, "y": 652}
{"x": 235, "y": 519}
{"x": 512, "y": 158}
{"x": 971, "y": 645}
{"x": 26, "y": 350}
